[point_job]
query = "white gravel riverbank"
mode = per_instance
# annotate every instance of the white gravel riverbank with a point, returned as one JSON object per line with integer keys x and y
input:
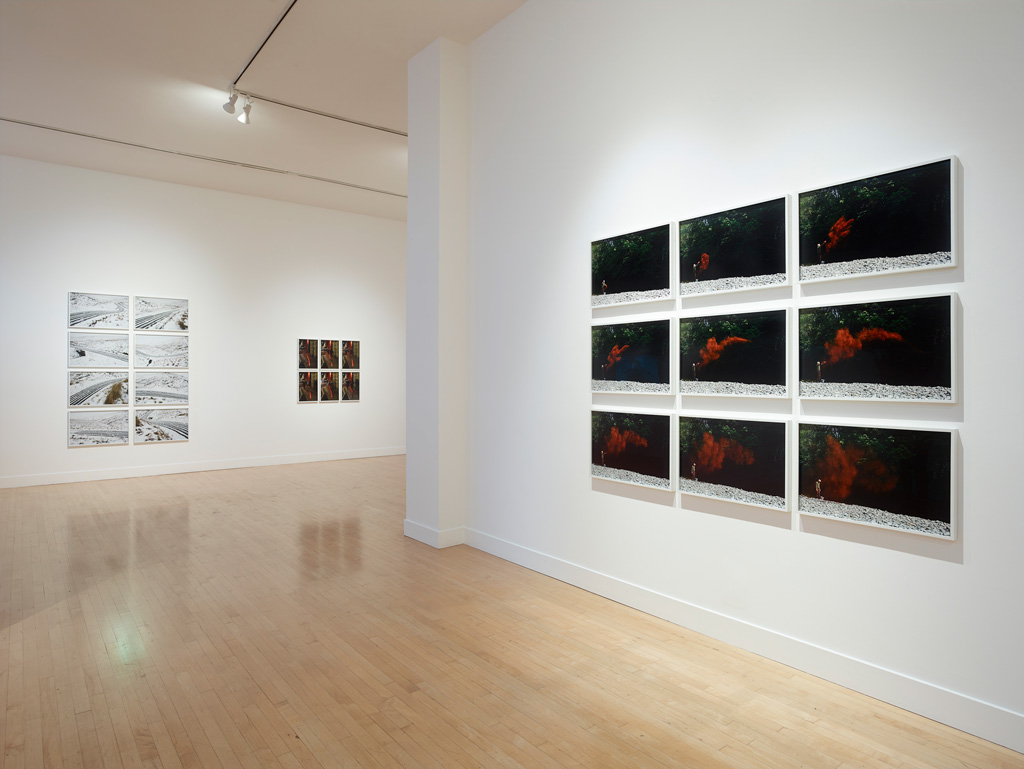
{"x": 731, "y": 284}
{"x": 731, "y": 493}
{"x": 614, "y": 474}
{"x": 843, "y": 511}
{"x": 626, "y": 297}
{"x": 731, "y": 388}
{"x": 880, "y": 264}
{"x": 605, "y": 386}
{"x": 869, "y": 391}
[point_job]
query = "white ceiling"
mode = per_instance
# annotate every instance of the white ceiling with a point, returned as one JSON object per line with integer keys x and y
{"x": 155, "y": 74}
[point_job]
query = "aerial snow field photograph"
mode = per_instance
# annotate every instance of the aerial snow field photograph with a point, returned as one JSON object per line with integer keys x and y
{"x": 742, "y": 354}
{"x": 630, "y": 357}
{"x": 97, "y": 310}
{"x": 330, "y": 391}
{"x": 153, "y": 425}
{"x": 329, "y": 353}
{"x": 97, "y": 388}
{"x": 632, "y": 448}
{"x": 155, "y": 314}
{"x": 160, "y": 351}
{"x": 87, "y": 350}
{"x": 350, "y": 386}
{"x": 630, "y": 268}
{"x": 886, "y": 477}
{"x": 888, "y": 223}
{"x": 899, "y": 350}
{"x": 349, "y": 354}
{"x": 307, "y": 387}
{"x": 170, "y": 387}
{"x": 733, "y": 459}
{"x": 97, "y": 428}
{"x": 731, "y": 250}
{"x": 307, "y": 353}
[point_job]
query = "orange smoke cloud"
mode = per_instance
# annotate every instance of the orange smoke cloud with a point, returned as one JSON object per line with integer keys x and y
{"x": 713, "y": 453}
{"x": 846, "y": 344}
{"x": 840, "y": 230}
{"x": 617, "y": 442}
{"x": 841, "y": 468}
{"x": 713, "y": 350}
{"x": 704, "y": 263}
{"x": 615, "y": 356}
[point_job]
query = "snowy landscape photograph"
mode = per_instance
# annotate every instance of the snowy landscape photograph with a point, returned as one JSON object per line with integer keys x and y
{"x": 161, "y": 351}
{"x": 97, "y": 428}
{"x": 633, "y": 448}
{"x": 741, "y": 354}
{"x": 307, "y": 387}
{"x": 87, "y": 350}
{"x": 308, "y": 353}
{"x": 350, "y": 354}
{"x": 630, "y": 268}
{"x": 155, "y": 314}
{"x": 167, "y": 425}
{"x": 166, "y": 387}
{"x": 736, "y": 249}
{"x": 330, "y": 391}
{"x": 329, "y": 353}
{"x": 892, "y": 222}
{"x": 97, "y": 311}
{"x": 350, "y": 386}
{"x": 630, "y": 357}
{"x": 887, "y": 477}
{"x": 733, "y": 459}
{"x": 98, "y": 388}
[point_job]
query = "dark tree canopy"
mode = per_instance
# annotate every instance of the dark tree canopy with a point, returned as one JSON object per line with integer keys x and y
{"x": 634, "y": 262}
{"x": 743, "y": 454}
{"x": 738, "y": 243}
{"x": 760, "y": 359}
{"x": 634, "y": 352}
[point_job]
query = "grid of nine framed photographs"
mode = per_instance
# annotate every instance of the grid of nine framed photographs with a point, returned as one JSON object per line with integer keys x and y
{"x": 899, "y": 475}
{"x": 128, "y": 378}
{"x": 328, "y": 370}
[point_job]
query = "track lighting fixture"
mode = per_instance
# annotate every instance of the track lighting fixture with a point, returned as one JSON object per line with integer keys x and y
{"x": 229, "y": 105}
{"x": 244, "y": 117}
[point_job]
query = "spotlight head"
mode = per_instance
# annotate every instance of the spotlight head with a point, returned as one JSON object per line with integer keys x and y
{"x": 229, "y": 105}
{"x": 244, "y": 117}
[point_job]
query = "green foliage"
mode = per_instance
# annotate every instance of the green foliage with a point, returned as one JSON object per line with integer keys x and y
{"x": 604, "y": 338}
{"x": 751, "y": 435}
{"x": 742, "y": 241}
{"x": 601, "y": 423}
{"x": 636, "y": 261}
{"x": 924, "y": 321}
{"x": 695, "y": 332}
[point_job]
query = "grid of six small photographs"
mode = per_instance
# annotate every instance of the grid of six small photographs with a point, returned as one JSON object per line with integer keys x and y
{"x": 328, "y": 370}
{"x": 898, "y": 477}
{"x": 114, "y": 363}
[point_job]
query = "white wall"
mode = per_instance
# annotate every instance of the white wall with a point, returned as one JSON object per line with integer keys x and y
{"x": 597, "y": 118}
{"x": 258, "y": 273}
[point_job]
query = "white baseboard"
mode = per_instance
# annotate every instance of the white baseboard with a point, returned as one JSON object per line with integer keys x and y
{"x": 438, "y": 538}
{"x": 110, "y": 473}
{"x": 955, "y": 709}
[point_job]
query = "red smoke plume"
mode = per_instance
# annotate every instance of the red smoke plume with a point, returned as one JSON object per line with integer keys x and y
{"x": 615, "y": 356}
{"x": 703, "y": 264}
{"x": 713, "y": 350}
{"x": 846, "y": 344}
{"x": 712, "y": 453}
{"x": 841, "y": 468}
{"x": 618, "y": 442}
{"x": 838, "y": 232}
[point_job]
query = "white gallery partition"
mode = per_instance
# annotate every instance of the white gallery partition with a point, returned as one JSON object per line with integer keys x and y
{"x": 259, "y": 274}
{"x": 592, "y": 119}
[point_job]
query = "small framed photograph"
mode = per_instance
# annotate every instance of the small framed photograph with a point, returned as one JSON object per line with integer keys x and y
{"x": 630, "y": 448}
{"x": 742, "y": 248}
{"x": 738, "y": 460}
{"x": 161, "y": 388}
{"x": 630, "y": 358}
{"x": 97, "y": 310}
{"x": 308, "y": 353}
{"x": 898, "y": 350}
{"x": 329, "y": 353}
{"x": 161, "y": 351}
{"x": 349, "y": 354}
{"x": 154, "y": 314}
{"x": 350, "y": 386}
{"x": 308, "y": 387}
{"x": 330, "y": 390}
{"x": 893, "y": 222}
{"x": 741, "y": 354}
{"x": 161, "y": 425}
{"x": 892, "y": 478}
{"x": 96, "y": 350}
{"x": 97, "y": 428}
{"x": 630, "y": 268}
{"x": 98, "y": 388}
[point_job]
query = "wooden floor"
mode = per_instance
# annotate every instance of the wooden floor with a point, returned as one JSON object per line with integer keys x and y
{"x": 276, "y": 617}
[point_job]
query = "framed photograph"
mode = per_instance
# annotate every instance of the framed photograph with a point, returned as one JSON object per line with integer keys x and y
{"x": 899, "y": 350}
{"x": 97, "y": 311}
{"x": 737, "y": 460}
{"x": 161, "y": 351}
{"x": 97, "y": 428}
{"x": 307, "y": 387}
{"x": 161, "y": 425}
{"x": 741, "y": 354}
{"x": 330, "y": 388}
{"x": 890, "y": 477}
{"x": 98, "y": 388}
{"x": 161, "y": 388}
{"x": 742, "y": 248}
{"x": 95, "y": 350}
{"x": 329, "y": 353}
{"x": 350, "y": 386}
{"x": 630, "y": 268}
{"x": 630, "y": 357}
{"x": 154, "y": 314}
{"x": 893, "y": 222}
{"x": 630, "y": 447}
{"x": 308, "y": 353}
{"x": 349, "y": 354}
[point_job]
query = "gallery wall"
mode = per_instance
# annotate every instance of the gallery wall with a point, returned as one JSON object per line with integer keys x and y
{"x": 258, "y": 274}
{"x": 596, "y": 119}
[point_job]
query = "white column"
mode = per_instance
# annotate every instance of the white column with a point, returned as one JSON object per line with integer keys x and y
{"x": 437, "y": 387}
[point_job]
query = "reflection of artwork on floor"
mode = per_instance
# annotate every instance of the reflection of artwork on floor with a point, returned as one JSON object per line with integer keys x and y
{"x": 307, "y": 387}
{"x": 307, "y": 353}
{"x": 633, "y": 448}
{"x": 350, "y": 386}
{"x": 97, "y": 388}
{"x": 97, "y": 428}
{"x": 170, "y": 387}
{"x": 329, "y": 353}
{"x": 329, "y": 390}
{"x": 97, "y": 311}
{"x": 152, "y": 425}
{"x": 161, "y": 351}
{"x": 153, "y": 314}
{"x": 350, "y": 354}
{"x": 87, "y": 350}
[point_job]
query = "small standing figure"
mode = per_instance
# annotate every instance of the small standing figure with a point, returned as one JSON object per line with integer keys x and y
{"x": 694, "y": 372}
{"x": 817, "y": 488}
{"x": 693, "y": 471}
{"x": 821, "y": 253}
{"x": 604, "y": 286}
{"x": 819, "y": 372}
{"x": 602, "y": 459}
{"x": 695, "y": 278}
